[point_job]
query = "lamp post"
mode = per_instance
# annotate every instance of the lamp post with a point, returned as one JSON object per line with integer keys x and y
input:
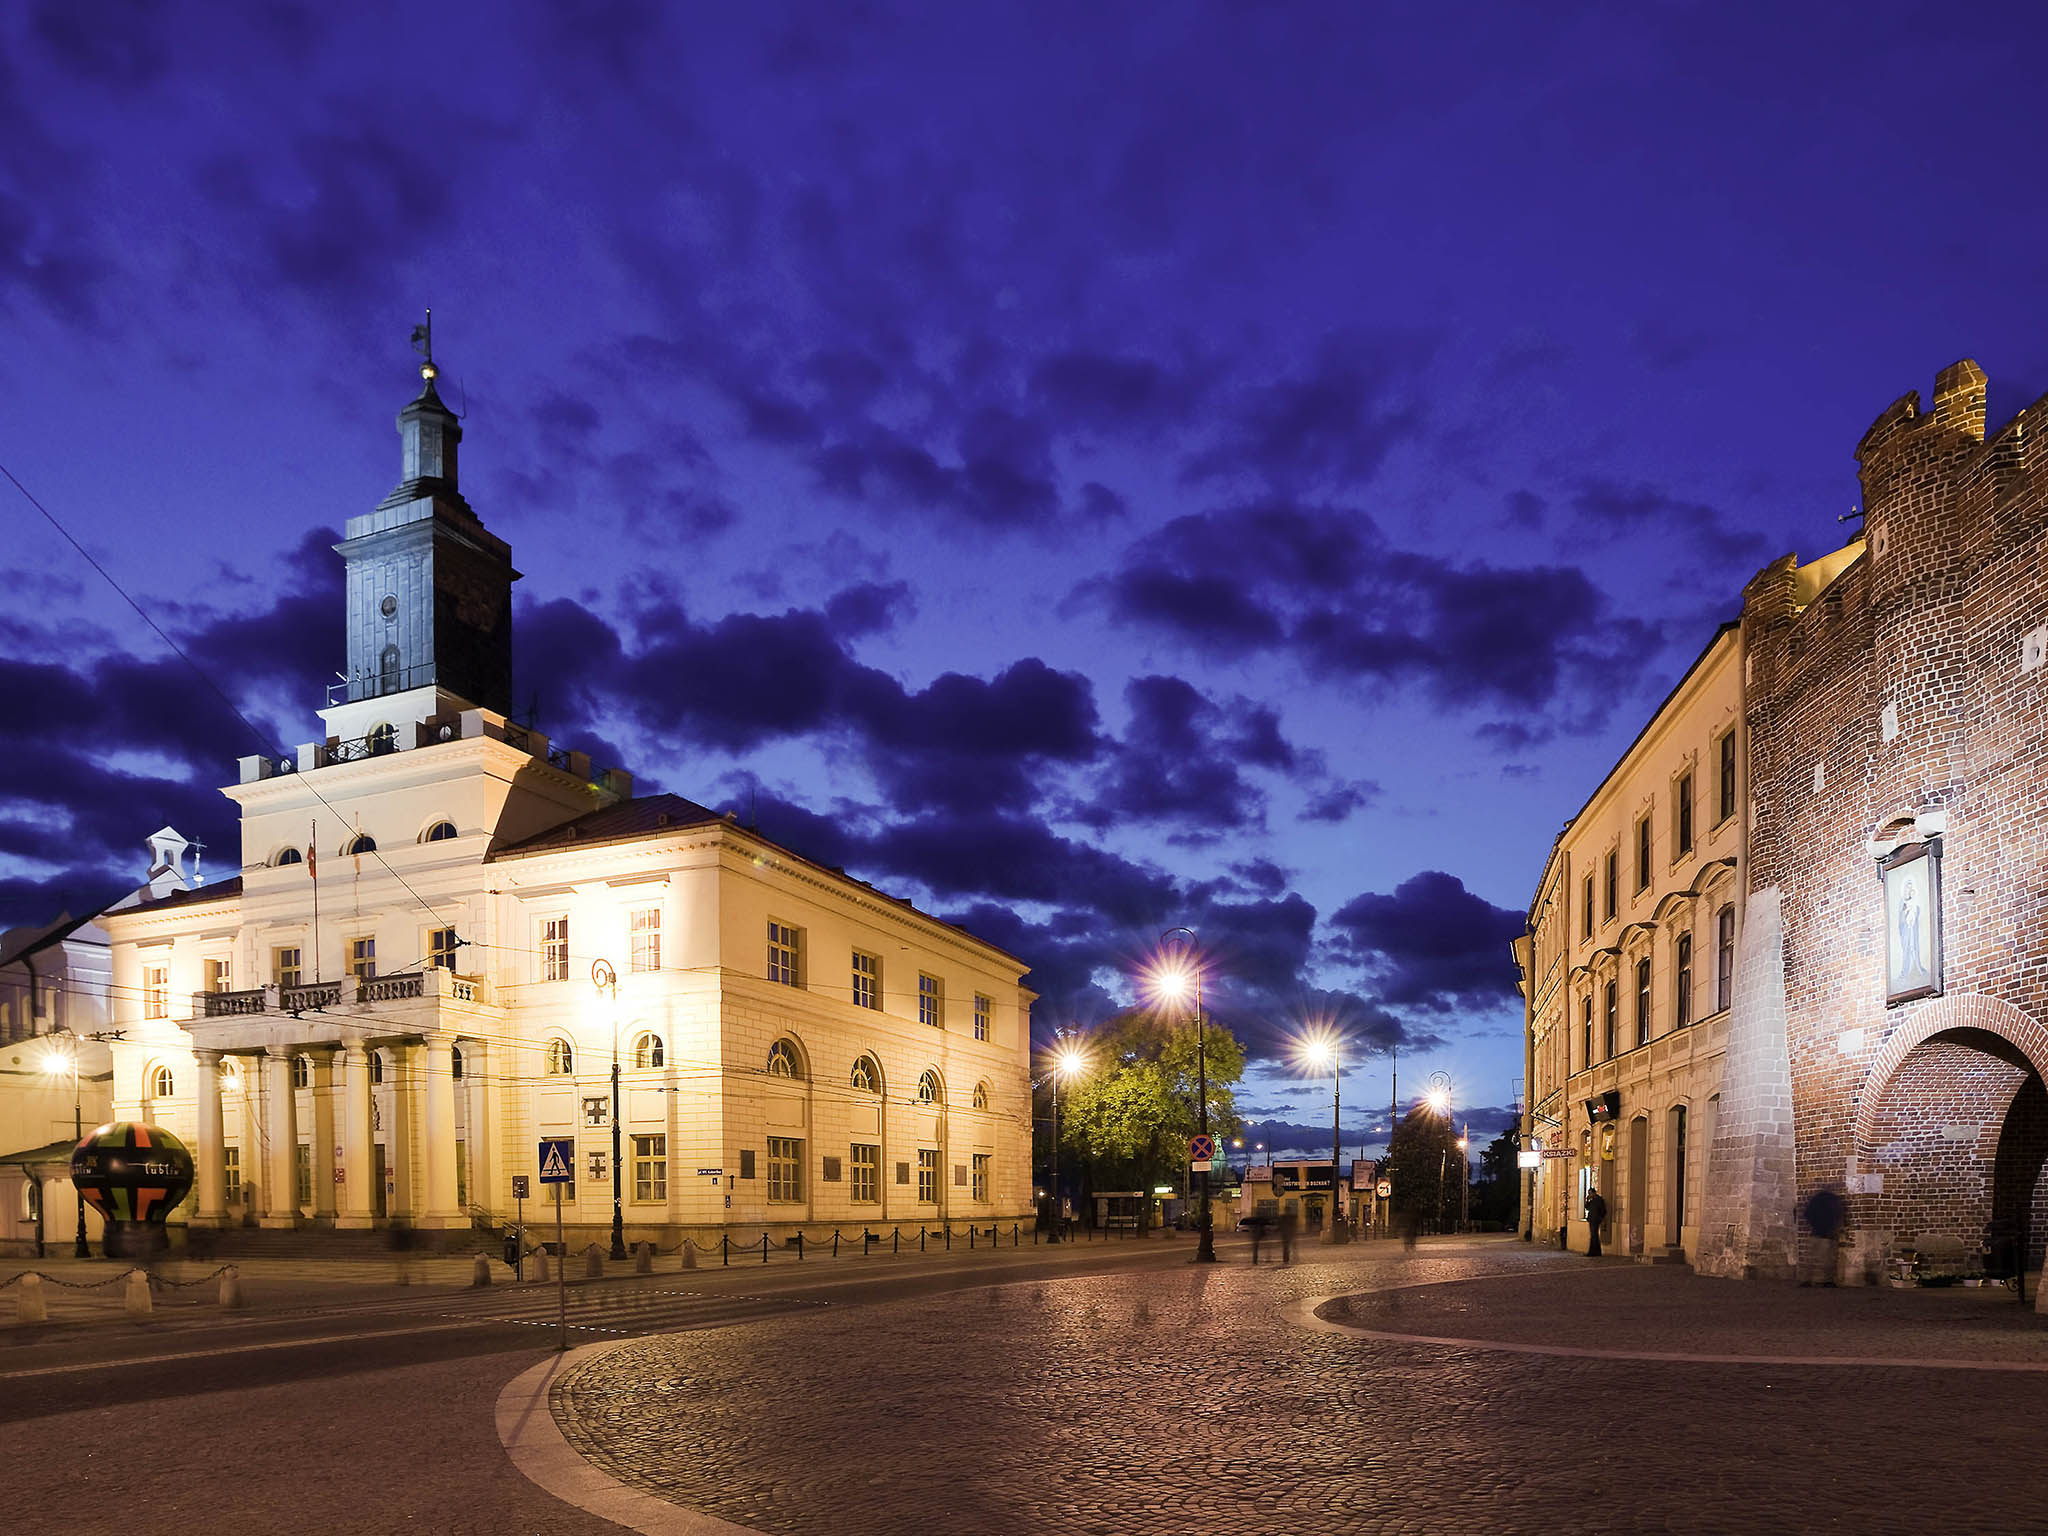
{"x": 1321, "y": 1050}
{"x": 1066, "y": 1061}
{"x": 606, "y": 980}
{"x": 1440, "y": 1103}
{"x": 53, "y": 1064}
{"x": 1178, "y": 979}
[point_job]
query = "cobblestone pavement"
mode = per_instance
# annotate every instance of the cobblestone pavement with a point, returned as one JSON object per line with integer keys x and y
{"x": 1185, "y": 1400}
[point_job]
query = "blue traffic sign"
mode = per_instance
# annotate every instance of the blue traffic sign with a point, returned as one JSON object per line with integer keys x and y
{"x": 558, "y": 1159}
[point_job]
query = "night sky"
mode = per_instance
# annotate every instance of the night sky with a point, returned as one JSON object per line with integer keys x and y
{"x": 1087, "y": 469}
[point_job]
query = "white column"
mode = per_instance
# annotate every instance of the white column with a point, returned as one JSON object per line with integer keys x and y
{"x": 324, "y": 1164}
{"x": 355, "y": 1197}
{"x": 211, "y": 1180}
{"x": 281, "y": 1199}
{"x": 438, "y": 1065}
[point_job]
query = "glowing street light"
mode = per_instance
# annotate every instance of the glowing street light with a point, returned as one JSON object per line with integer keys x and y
{"x": 1178, "y": 978}
{"x": 55, "y": 1064}
{"x": 1067, "y": 1061}
{"x": 1320, "y": 1051}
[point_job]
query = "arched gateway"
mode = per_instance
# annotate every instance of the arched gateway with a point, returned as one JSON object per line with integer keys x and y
{"x": 1951, "y": 1132}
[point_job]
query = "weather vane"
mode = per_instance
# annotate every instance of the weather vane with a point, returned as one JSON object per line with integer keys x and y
{"x": 423, "y": 343}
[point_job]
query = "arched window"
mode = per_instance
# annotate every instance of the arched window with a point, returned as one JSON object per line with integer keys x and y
{"x": 288, "y": 856}
{"x": 387, "y": 670}
{"x": 362, "y": 842}
{"x": 455, "y": 1061}
{"x": 981, "y": 1095}
{"x": 782, "y": 1060}
{"x": 561, "y": 1058}
{"x": 928, "y": 1090}
{"x": 376, "y": 1066}
{"x": 865, "y": 1077}
{"x": 647, "y": 1051}
{"x": 383, "y": 739}
{"x": 439, "y": 832}
{"x": 161, "y": 1083}
{"x": 302, "y": 1072}
{"x": 1684, "y": 1016}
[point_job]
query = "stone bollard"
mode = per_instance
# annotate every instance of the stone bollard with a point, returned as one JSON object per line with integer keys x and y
{"x": 231, "y": 1287}
{"x": 593, "y": 1263}
{"x": 643, "y": 1258}
{"x": 480, "y": 1273}
{"x": 689, "y": 1252}
{"x": 537, "y": 1267}
{"x": 29, "y": 1303}
{"x": 135, "y": 1295}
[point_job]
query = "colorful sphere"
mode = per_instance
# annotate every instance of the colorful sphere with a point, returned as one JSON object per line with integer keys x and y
{"x": 132, "y": 1174}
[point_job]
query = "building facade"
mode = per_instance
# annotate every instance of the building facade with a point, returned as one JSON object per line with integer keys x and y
{"x": 1628, "y": 971}
{"x": 447, "y": 930}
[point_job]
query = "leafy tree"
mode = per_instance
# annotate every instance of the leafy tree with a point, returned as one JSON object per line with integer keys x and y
{"x": 1496, "y": 1195}
{"x": 1126, "y": 1120}
{"x": 1425, "y": 1166}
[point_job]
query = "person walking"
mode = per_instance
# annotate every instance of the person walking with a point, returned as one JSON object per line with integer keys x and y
{"x": 1256, "y": 1225}
{"x": 1825, "y": 1212}
{"x": 1290, "y": 1224}
{"x": 1596, "y": 1218}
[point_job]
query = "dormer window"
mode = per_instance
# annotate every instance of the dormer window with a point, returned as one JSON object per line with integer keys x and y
{"x": 288, "y": 856}
{"x": 361, "y": 843}
{"x": 439, "y": 832}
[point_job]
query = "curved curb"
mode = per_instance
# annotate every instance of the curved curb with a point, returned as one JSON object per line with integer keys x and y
{"x": 1303, "y": 1313}
{"x": 537, "y": 1447}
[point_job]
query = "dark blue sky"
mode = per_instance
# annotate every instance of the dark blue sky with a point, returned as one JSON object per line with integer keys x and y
{"x": 1249, "y": 466}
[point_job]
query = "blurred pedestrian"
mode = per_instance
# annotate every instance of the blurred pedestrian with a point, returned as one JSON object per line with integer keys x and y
{"x": 400, "y": 1237}
{"x": 1411, "y": 1226}
{"x": 1256, "y": 1225}
{"x": 1825, "y": 1213}
{"x": 1290, "y": 1224}
{"x": 1596, "y": 1218}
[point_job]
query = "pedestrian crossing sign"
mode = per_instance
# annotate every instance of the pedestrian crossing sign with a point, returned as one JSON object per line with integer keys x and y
{"x": 557, "y": 1160}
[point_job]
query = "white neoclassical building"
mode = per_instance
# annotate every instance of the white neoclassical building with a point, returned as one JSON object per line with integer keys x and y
{"x": 447, "y": 930}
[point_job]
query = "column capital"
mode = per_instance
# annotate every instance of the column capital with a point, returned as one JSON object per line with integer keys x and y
{"x": 282, "y": 1052}
{"x": 207, "y": 1057}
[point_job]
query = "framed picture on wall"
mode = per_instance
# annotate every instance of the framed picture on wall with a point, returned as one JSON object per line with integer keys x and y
{"x": 1912, "y": 922}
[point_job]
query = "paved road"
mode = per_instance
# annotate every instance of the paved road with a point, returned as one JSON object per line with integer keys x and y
{"x": 1178, "y": 1401}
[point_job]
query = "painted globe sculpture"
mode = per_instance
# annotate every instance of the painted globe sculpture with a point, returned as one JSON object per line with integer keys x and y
{"x": 134, "y": 1175}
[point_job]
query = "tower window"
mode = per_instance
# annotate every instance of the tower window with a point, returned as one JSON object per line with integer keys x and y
{"x": 387, "y": 670}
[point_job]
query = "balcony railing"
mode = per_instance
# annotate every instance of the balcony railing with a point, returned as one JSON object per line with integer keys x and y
{"x": 225, "y": 1005}
{"x": 318, "y": 994}
{"x": 390, "y": 989}
{"x": 407, "y": 986}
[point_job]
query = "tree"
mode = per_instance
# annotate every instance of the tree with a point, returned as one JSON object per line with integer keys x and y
{"x": 1496, "y": 1195}
{"x": 1426, "y": 1166}
{"x": 1127, "y": 1120}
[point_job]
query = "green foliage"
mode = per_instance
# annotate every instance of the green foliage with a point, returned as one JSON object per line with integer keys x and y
{"x": 1496, "y": 1194}
{"x": 1426, "y": 1167}
{"x": 1126, "y": 1119}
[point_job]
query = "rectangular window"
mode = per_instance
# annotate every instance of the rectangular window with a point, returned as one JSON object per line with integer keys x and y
{"x": 1643, "y": 854}
{"x": 1586, "y": 1057}
{"x": 931, "y": 1001}
{"x": 441, "y": 949}
{"x": 554, "y": 949}
{"x": 650, "y": 1168}
{"x": 1613, "y": 1019}
{"x": 867, "y": 981}
{"x": 1724, "y": 787}
{"x": 362, "y": 959}
{"x": 984, "y": 1015}
{"x": 981, "y": 1167}
{"x": 1684, "y": 996}
{"x": 220, "y": 975}
{"x": 785, "y": 1168}
{"x": 1642, "y": 1002}
{"x": 302, "y": 1175}
{"x": 231, "y": 1175}
{"x": 783, "y": 957}
{"x": 156, "y": 991}
{"x": 1613, "y": 884}
{"x": 1589, "y": 907}
{"x": 867, "y": 1173}
{"x": 646, "y": 938}
{"x": 1724, "y": 961}
{"x": 287, "y": 966}
{"x": 1684, "y": 816}
{"x": 927, "y": 1176}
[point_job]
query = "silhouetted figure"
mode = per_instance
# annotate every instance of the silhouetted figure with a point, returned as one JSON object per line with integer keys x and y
{"x": 1257, "y": 1225}
{"x": 1411, "y": 1226}
{"x": 1596, "y": 1218}
{"x": 400, "y": 1237}
{"x": 1290, "y": 1224}
{"x": 1825, "y": 1212}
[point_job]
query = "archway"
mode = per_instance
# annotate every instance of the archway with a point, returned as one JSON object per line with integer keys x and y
{"x": 1953, "y": 1122}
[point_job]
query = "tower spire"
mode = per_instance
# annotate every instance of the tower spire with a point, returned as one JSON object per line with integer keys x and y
{"x": 428, "y": 431}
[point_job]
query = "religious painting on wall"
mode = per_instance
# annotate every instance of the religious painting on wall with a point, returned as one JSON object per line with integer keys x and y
{"x": 1912, "y": 923}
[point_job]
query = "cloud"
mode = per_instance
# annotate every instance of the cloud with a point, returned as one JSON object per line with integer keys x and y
{"x": 112, "y": 42}
{"x": 1610, "y": 508}
{"x": 1431, "y": 944}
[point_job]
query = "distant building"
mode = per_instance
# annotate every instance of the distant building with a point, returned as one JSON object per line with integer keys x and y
{"x": 447, "y": 930}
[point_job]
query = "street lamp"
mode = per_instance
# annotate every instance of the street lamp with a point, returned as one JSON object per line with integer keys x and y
{"x": 1178, "y": 978}
{"x": 1067, "y": 1060}
{"x": 1321, "y": 1051}
{"x": 606, "y": 980}
{"x": 54, "y": 1063}
{"x": 1439, "y": 1100}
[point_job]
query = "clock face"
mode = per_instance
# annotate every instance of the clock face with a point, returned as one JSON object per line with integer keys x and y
{"x": 388, "y": 607}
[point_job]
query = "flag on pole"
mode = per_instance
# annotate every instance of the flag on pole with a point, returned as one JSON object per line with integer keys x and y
{"x": 313, "y": 854}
